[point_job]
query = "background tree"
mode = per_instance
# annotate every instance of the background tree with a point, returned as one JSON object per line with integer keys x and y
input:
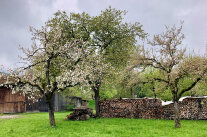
{"x": 171, "y": 62}
{"x": 112, "y": 38}
{"x": 140, "y": 83}
{"x": 127, "y": 82}
{"x": 150, "y": 86}
{"x": 97, "y": 71}
{"x": 199, "y": 90}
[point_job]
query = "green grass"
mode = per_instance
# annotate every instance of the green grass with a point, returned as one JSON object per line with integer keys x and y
{"x": 37, "y": 124}
{"x": 92, "y": 104}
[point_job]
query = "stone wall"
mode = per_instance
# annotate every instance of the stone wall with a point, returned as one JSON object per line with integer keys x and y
{"x": 190, "y": 108}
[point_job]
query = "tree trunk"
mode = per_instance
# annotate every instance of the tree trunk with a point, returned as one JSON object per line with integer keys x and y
{"x": 132, "y": 95}
{"x": 51, "y": 112}
{"x": 177, "y": 114}
{"x": 49, "y": 96}
{"x": 97, "y": 99}
{"x": 153, "y": 89}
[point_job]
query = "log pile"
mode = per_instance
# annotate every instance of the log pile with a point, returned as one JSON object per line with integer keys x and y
{"x": 190, "y": 108}
{"x": 80, "y": 113}
{"x": 130, "y": 108}
{"x": 167, "y": 111}
{"x": 193, "y": 108}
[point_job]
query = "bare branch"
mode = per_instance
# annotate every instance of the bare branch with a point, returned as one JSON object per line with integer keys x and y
{"x": 189, "y": 88}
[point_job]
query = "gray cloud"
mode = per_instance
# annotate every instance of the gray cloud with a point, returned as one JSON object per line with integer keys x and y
{"x": 17, "y": 15}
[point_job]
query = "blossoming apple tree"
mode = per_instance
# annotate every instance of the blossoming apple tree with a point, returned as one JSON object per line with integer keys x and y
{"x": 52, "y": 64}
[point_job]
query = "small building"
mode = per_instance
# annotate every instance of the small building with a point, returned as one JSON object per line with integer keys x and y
{"x": 18, "y": 103}
{"x": 76, "y": 101}
{"x": 58, "y": 101}
{"x": 11, "y": 103}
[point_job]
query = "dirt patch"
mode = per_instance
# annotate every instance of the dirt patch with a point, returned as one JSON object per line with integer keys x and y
{"x": 9, "y": 116}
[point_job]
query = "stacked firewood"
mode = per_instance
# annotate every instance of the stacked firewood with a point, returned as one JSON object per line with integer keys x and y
{"x": 80, "y": 113}
{"x": 167, "y": 111}
{"x": 193, "y": 108}
{"x": 130, "y": 108}
{"x": 190, "y": 108}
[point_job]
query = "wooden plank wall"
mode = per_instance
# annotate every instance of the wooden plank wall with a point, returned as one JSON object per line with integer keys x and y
{"x": 11, "y": 103}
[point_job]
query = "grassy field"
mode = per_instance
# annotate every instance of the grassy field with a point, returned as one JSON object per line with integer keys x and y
{"x": 92, "y": 104}
{"x": 37, "y": 124}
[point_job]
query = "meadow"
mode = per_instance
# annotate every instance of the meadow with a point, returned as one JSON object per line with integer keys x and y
{"x": 37, "y": 124}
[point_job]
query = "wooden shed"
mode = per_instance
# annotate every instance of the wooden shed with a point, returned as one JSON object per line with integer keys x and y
{"x": 18, "y": 103}
{"x": 11, "y": 103}
{"x": 59, "y": 103}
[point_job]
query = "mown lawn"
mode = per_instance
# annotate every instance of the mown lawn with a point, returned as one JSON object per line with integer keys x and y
{"x": 37, "y": 124}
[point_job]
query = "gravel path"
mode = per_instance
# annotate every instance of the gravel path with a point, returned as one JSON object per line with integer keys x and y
{"x": 9, "y": 116}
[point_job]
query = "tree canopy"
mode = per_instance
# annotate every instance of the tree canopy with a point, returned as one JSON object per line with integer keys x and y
{"x": 172, "y": 64}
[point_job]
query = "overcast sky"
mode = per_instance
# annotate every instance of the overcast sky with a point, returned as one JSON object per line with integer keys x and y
{"x": 17, "y": 15}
